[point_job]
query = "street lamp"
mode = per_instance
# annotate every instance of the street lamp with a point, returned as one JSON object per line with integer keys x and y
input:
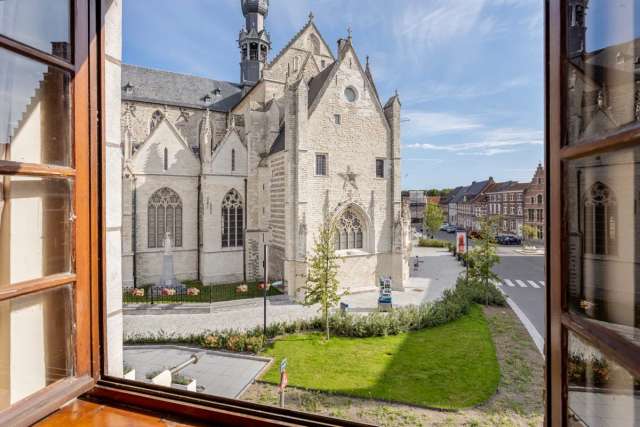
{"x": 265, "y": 235}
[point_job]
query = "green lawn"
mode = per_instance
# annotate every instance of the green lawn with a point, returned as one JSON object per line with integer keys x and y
{"x": 452, "y": 366}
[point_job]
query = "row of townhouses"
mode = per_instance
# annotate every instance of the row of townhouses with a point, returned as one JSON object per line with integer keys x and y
{"x": 515, "y": 203}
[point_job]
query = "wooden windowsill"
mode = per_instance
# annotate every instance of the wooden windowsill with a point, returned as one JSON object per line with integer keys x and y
{"x": 82, "y": 412}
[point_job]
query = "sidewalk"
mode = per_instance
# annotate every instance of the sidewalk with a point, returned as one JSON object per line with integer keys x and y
{"x": 437, "y": 271}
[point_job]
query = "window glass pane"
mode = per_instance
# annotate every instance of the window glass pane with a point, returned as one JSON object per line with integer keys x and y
{"x": 35, "y": 227}
{"x": 43, "y": 24}
{"x": 602, "y": 203}
{"x": 36, "y": 343}
{"x": 601, "y": 392}
{"x": 602, "y": 66}
{"x": 35, "y": 112}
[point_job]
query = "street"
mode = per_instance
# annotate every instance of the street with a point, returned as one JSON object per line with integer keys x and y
{"x": 522, "y": 279}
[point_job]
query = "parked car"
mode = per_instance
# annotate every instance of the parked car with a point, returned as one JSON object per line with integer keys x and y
{"x": 444, "y": 227}
{"x": 508, "y": 240}
{"x": 451, "y": 229}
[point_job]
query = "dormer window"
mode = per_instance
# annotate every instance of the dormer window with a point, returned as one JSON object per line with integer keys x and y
{"x": 216, "y": 92}
{"x": 207, "y": 99}
{"x": 128, "y": 89}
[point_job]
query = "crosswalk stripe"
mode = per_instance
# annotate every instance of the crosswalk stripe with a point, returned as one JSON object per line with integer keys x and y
{"x": 509, "y": 283}
{"x": 534, "y": 284}
{"x": 521, "y": 283}
{"x": 542, "y": 282}
{"x": 497, "y": 283}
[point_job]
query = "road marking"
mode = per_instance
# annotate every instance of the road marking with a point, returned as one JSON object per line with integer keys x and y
{"x": 533, "y": 332}
{"x": 534, "y": 284}
{"x": 497, "y": 283}
{"x": 542, "y": 282}
{"x": 509, "y": 283}
{"x": 521, "y": 283}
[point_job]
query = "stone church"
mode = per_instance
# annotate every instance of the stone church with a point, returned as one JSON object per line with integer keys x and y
{"x": 302, "y": 140}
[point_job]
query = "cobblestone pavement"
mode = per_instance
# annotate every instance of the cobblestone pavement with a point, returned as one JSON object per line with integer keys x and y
{"x": 437, "y": 270}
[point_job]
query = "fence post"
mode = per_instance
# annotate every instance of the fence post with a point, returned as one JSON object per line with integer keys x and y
{"x": 151, "y": 293}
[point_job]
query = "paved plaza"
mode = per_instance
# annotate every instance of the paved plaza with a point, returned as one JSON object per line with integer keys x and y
{"x": 437, "y": 270}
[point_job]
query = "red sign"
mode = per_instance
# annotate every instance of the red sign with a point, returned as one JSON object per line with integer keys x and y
{"x": 461, "y": 239}
{"x": 284, "y": 380}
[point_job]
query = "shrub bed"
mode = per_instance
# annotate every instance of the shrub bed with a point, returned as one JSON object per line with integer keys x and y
{"x": 432, "y": 243}
{"x": 453, "y": 304}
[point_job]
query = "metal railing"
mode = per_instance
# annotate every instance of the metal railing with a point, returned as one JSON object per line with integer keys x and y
{"x": 201, "y": 294}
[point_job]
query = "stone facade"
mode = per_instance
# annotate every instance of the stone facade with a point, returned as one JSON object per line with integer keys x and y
{"x": 203, "y": 139}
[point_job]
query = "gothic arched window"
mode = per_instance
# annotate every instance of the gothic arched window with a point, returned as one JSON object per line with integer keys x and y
{"x": 164, "y": 214}
{"x": 349, "y": 231}
{"x": 539, "y": 199}
{"x": 315, "y": 44}
{"x": 232, "y": 220}
{"x": 156, "y": 118}
{"x": 600, "y": 221}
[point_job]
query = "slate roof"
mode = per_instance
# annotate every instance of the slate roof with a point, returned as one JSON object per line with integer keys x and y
{"x": 450, "y": 195}
{"x": 458, "y": 197}
{"x": 500, "y": 186}
{"x": 317, "y": 82}
{"x": 475, "y": 188}
{"x": 278, "y": 144}
{"x": 182, "y": 90}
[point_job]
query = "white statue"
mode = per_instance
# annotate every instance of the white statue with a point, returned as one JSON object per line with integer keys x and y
{"x": 167, "y": 243}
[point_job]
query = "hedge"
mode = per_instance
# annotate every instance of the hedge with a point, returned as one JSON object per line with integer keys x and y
{"x": 433, "y": 243}
{"x": 453, "y": 304}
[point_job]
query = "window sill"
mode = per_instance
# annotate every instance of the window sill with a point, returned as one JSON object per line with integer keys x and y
{"x": 346, "y": 253}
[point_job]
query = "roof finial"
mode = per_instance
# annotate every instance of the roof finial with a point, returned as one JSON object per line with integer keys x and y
{"x": 396, "y": 92}
{"x": 349, "y": 31}
{"x": 311, "y": 16}
{"x": 367, "y": 62}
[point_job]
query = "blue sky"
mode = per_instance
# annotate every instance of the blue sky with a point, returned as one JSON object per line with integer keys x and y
{"x": 469, "y": 72}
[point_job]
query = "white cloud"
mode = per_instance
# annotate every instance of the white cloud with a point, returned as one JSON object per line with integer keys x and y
{"x": 433, "y": 90}
{"x": 421, "y": 123}
{"x": 491, "y": 142}
{"x": 426, "y": 26}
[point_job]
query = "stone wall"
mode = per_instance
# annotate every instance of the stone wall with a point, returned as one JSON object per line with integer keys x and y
{"x": 113, "y": 174}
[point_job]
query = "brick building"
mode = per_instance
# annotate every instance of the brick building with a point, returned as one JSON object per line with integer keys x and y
{"x": 506, "y": 199}
{"x": 534, "y": 203}
{"x": 472, "y": 204}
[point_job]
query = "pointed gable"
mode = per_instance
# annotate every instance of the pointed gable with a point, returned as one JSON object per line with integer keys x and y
{"x": 150, "y": 157}
{"x": 230, "y": 156}
{"x": 294, "y": 55}
{"x": 349, "y": 70}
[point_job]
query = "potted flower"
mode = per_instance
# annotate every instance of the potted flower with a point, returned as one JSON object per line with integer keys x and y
{"x": 261, "y": 286}
{"x": 242, "y": 289}
{"x": 182, "y": 382}
{"x": 137, "y": 292}
{"x": 193, "y": 292}
{"x": 168, "y": 292}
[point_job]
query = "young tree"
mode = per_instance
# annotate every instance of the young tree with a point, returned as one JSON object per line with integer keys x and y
{"x": 483, "y": 257}
{"x": 322, "y": 284}
{"x": 433, "y": 217}
{"x": 528, "y": 232}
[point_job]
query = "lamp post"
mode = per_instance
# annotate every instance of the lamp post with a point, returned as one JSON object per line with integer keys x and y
{"x": 265, "y": 235}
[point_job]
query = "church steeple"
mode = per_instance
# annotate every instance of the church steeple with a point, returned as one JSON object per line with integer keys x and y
{"x": 254, "y": 41}
{"x": 577, "y": 28}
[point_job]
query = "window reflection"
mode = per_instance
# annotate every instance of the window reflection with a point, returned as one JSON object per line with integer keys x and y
{"x": 603, "y": 52}
{"x": 43, "y": 24}
{"x": 35, "y": 113}
{"x": 603, "y": 196}
{"x": 601, "y": 392}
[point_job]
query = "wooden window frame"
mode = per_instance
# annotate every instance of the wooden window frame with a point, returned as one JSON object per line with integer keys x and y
{"x": 82, "y": 126}
{"x": 559, "y": 320}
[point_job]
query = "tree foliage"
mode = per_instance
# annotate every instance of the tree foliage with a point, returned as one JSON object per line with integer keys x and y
{"x": 529, "y": 232}
{"x": 483, "y": 257}
{"x": 433, "y": 217}
{"x": 322, "y": 283}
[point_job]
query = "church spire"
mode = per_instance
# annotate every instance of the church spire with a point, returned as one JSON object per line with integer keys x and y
{"x": 254, "y": 41}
